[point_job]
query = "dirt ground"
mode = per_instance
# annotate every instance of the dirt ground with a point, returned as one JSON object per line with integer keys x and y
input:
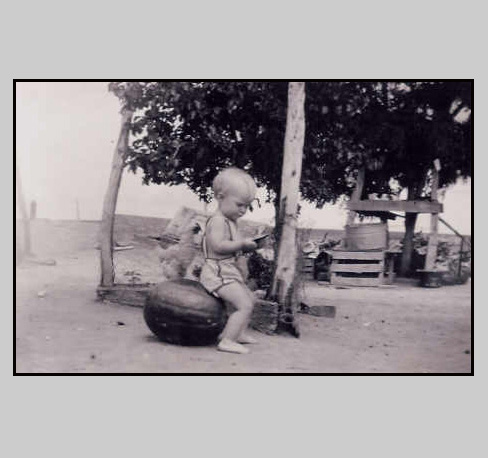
{"x": 61, "y": 328}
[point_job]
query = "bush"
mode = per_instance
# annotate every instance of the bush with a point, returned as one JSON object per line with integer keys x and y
{"x": 260, "y": 271}
{"x": 447, "y": 259}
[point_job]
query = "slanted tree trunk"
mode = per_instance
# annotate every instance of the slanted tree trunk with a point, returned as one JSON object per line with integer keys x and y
{"x": 23, "y": 247}
{"x": 110, "y": 202}
{"x": 283, "y": 289}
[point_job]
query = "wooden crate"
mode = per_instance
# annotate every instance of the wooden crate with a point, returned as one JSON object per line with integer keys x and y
{"x": 357, "y": 268}
{"x": 307, "y": 267}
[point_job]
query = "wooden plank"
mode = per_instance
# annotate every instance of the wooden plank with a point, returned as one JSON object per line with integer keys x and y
{"x": 358, "y": 255}
{"x": 434, "y": 226}
{"x": 383, "y": 215}
{"x": 450, "y": 227}
{"x": 355, "y": 281}
{"x": 407, "y": 206}
{"x": 390, "y": 274}
{"x": 357, "y": 268}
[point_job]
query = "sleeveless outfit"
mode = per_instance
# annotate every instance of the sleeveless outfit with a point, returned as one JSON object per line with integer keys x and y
{"x": 217, "y": 273}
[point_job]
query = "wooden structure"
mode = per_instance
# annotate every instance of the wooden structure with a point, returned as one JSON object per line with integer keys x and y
{"x": 367, "y": 268}
{"x": 307, "y": 267}
{"x": 357, "y": 268}
{"x": 434, "y": 220}
{"x": 407, "y": 206}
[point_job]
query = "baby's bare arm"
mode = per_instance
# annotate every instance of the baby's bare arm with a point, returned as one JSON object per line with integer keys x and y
{"x": 217, "y": 236}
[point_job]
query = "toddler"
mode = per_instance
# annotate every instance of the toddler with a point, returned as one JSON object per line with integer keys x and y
{"x": 234, "y": 191}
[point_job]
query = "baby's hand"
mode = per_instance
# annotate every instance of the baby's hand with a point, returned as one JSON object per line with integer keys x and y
{"x": 249, "y": 245}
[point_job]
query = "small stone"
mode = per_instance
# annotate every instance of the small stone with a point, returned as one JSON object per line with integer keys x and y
{"x": 467, "y": 352}
{"x": 41, "y": 294}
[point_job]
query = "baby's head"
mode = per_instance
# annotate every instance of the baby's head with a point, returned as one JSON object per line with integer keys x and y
{"x": 234, "y": 189}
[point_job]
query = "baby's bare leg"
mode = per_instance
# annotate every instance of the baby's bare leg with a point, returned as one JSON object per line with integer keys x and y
{"x": 236, "y": 295}
{"x": 244, "y": 337}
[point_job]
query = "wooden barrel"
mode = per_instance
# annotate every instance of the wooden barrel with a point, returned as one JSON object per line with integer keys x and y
{"x": 183, "y": 313}
{"x": 360, "y": 237}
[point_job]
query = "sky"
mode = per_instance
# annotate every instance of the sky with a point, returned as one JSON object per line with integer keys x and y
{"x": 65, "y": 139}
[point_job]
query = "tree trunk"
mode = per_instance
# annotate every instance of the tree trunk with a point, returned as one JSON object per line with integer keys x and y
{"x": 283, "y": 289}
{"x": 24, "y": 247}
{"x": 110, "y": 202}
{"x": 276, "y": 244}
{"x": 410, "y": 221}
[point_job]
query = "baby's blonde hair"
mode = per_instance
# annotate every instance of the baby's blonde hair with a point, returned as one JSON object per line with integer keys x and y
{"x": 233, "y": 178}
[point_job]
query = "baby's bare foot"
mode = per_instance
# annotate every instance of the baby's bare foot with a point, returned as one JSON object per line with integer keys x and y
{"x": 246, "y": 339}
{"x": 231, "y": 347}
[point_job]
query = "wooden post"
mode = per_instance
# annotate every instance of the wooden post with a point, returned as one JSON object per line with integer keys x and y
{"x": 434, "y": 221}
{"x": 460, "y": 266}
{"x": 356, "y": 195}
{"x": 284, "y": 277}
{"x": 25, "y": 247}
{"x": 110, "y": 202}
{"x": 33, "y": 209}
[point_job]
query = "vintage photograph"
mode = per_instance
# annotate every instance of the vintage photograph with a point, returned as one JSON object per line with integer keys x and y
{"x": 243, "y": 227}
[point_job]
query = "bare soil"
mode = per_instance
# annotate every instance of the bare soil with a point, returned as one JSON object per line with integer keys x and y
{"x": 62, "y": 328}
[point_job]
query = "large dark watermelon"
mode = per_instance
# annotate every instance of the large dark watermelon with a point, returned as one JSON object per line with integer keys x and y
{"x": 183, "y": 313}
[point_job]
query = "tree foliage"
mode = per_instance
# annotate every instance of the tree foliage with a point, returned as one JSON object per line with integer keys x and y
{"x": 183, "y": 132}
{"x": 426, "y": 115}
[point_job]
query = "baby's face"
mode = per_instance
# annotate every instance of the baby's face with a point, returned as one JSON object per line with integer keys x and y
{"x": 234, "y": 204}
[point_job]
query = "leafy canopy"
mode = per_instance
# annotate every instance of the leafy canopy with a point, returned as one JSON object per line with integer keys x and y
{"x": 184, "y": 132}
